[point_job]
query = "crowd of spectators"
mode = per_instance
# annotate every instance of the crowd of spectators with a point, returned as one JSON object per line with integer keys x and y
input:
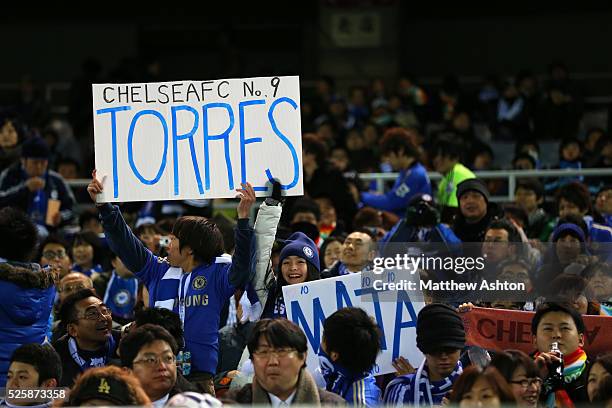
{"x": 188, "y": 301}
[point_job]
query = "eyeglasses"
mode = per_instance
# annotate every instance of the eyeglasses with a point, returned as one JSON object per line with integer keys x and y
{"x": 528, "y": 381}
{"x": 153, "y": 361}
{"x": 94, "y": 313}
{"x": 54, "y": 254}
{"x": 265, "y": 354}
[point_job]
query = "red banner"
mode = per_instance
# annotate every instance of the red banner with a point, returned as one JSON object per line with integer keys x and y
{"x": 498, "y": 329}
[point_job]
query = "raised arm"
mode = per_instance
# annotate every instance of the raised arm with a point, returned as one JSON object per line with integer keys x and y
{"x": 120, "y": 237}
{"x": 265, "y": 232}
{"x": 240, "y": 270}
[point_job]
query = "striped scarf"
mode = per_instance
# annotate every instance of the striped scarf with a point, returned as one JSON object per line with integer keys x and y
{"x": 574, "y": 365}
{"x": 401, "y": 391}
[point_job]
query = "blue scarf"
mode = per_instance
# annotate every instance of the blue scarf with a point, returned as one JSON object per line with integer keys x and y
{"x": 337, "y": 378}
{"x": 97, "y": 362}
{"x": 430, "y": 392}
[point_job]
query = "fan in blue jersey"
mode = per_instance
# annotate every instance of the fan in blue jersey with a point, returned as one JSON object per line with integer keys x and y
{"x": 403, "y": 156}
{"x": 350, "y": 344}
{"x": 196, "y": 278}
{"x": 121, "y": 291}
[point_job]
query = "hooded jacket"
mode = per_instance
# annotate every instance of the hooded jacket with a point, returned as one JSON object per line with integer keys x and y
{"x": 26, "y": 299}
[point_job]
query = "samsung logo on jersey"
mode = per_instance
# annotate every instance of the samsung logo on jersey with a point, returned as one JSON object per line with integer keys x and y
{"x": 194, "y": 300}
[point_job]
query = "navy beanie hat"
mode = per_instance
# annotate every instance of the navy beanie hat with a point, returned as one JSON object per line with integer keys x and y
{"x": 299, "y": 244}
{"x": 35, "y": 148}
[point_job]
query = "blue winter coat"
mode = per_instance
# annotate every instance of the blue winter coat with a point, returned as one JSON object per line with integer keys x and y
{"x": 26, "y": 299}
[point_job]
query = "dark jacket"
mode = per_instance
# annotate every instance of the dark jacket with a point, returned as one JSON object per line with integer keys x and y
{"x": 26, "y": 299}
{"x": 475, "y": 232}
{"x": 307, "y": 393}
{"x": 14, "y": 193}
{"x": 576, "y": 390}
{"x": 70, "y": 368}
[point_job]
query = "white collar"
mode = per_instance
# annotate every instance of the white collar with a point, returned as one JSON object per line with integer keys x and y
{"x": 161, "y": 402}
{"x": 277, "y": 402}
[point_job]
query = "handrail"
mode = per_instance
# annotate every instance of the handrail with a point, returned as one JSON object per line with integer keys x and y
{"x": 510, "y": 175}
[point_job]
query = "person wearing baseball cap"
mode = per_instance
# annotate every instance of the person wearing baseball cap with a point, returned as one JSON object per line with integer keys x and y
{"x": 475, "y": 211}
{"x": 30, "y": 185}
{"x": 108, "y": 386}
{"x": 298, "y": 263}
{"x": 441, "y": 337}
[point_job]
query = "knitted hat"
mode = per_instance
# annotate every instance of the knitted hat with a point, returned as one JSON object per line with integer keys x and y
{"x": 35, "y": 148}
{"x": 570, "y": 228}
{"x": 472, "y": 184}
{"x": 299, "y": 244}
{"x": 439, "y": 326}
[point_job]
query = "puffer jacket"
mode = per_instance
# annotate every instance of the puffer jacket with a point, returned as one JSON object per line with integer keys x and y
{"x": 26, "y": 299}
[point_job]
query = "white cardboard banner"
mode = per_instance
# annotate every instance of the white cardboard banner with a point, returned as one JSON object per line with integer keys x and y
{"x": 308, "y": 304}
{"x": 197, "y": 139}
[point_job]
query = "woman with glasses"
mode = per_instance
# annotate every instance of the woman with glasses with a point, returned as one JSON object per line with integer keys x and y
{"x": 519, "y": 370}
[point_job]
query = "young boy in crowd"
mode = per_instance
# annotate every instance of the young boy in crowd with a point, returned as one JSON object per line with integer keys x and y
{"x": 441, "y": 337}
{"x": 349, "y": 347}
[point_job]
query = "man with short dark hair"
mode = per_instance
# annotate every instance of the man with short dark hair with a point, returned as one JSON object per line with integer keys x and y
{"x": 278, "y": 351}
{"x": 398, "y": 150}
{"x": 149, "y": 352}
{"x": 501, "y": 241}
{"x": 196, "y": 278}
{"x": 350, "y": 344}
{"x": 557, "y": 323}
{"x": 32, "y": 366}
{"x": 441, "y": 337}
{"x": 89, "y": 341}
{"x": 26, "y": 290}
{"x": 475, "y": 212}
{"x": 529, "y": 195}
{"x": 29, "y": 185}
{"x": 54, "y": 252}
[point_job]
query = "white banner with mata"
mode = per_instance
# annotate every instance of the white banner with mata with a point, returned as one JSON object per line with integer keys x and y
{"x": 197, "y": 139}
{"x": 308, "y": 304}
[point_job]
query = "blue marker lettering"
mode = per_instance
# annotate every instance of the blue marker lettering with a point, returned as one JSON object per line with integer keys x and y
{"x": 176, "y": 137}
{"x": 318, "y": 318}
{"x": 223, "y": 136}
{"x": 402, "y": 299}
{"x": 342, "y": 296}
{"x": 131, "y": 146}
{"x": 296, "y": 163}
{"x": 244, "y": 141}
{"x": 114, "y": 142}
